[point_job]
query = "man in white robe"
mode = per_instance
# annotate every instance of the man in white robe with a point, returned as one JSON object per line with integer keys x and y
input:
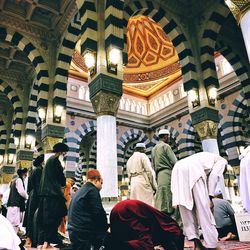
{"x": 193, "y": 183}
{"x": 8, "y": 238}
{"x": 16, "y": 201}
{"x": 141, "y": 175}
{"x": 245, "y": 178}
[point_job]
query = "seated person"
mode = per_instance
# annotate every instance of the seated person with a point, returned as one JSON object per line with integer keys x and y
{"x": 224, "y": 218}
{"x": 136, "y": 225}
{"x": 87, "y": 221}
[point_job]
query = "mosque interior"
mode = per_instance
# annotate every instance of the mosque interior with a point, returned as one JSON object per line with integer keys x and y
{"x": 104, "y": 75}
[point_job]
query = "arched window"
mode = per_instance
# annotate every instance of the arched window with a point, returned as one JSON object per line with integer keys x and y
{"x": 81, "y": 94}
{"x": 87, "y": 95}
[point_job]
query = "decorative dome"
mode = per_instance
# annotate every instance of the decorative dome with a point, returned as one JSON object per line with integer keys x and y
{"x": 152, "y": 58}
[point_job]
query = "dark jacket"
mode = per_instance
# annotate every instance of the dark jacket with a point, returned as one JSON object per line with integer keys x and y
{"x": 86, "y": 213}
{"x": 52, "y": 179}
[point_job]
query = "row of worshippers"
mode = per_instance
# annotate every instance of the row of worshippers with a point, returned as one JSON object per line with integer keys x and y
{"x": 46, "y": 205}
{"x": 185, "y": 189}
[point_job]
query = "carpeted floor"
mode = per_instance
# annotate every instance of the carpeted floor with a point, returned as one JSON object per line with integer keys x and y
{"x": 227, "y": 245}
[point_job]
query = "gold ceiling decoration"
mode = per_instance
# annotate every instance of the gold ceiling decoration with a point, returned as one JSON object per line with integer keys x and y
{"x": 238, "y": 7}
{"x": 153, "y": 62}
{"x": 152, "y": 59}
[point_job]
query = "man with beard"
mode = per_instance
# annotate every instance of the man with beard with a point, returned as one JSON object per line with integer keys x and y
{"x": 52, "y": 207}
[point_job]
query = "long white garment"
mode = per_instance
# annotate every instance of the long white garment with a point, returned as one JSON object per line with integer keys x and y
{"x": 142, "y": 178}
{"x": 188, "y": 171}
{"x": 245, "y": 178}
{"x": 200, "y": 215}
{"x": 8, "y": 237}
{"x": 14, "y": 215}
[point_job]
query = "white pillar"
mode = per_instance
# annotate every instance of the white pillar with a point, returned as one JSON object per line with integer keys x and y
{"x": 107, "y": 154}
{"x": 210, "y": 145}
{"x": 245, "y": 28}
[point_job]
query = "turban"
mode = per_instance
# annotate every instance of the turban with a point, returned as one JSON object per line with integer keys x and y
{"x": 60, "y": 147}
{"x": 38, "y": 161}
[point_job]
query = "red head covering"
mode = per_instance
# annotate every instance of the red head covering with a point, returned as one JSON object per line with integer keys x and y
{"x": 93, "y": 174}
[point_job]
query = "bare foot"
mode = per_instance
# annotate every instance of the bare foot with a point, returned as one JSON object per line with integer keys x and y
{"x": 229, "y": 236}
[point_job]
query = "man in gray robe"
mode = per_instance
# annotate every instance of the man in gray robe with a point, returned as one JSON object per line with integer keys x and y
{"x": 163, "y": 159}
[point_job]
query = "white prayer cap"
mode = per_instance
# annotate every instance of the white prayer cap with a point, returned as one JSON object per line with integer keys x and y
{"x": 140, "y": 145}
{"x": 164, "y": 132}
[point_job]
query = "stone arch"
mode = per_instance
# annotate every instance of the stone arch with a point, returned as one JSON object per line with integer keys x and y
{"x": 208, "y": 43}
{"x": 64, "y": 58}
{"x": 159, "y": 15}
{"x": 3, "y": 137}
{"x": 239, "y": 69}
{"x": 190, "y": 144}
{"x": 174, "y": 139}
{"x": 131, "y": 136}
{"x": 73, "y": 140}
{"x": 17, "y": 107}
{"x": 233, "y": 128}
{"x": 40, "y": 67}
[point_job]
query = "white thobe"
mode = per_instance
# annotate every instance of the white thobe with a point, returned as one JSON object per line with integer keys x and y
{"x": 193, "y": 180}
{"x": 142, "y": 178}
{"x": 245, "y": 178}
{"x": 14, "y": 215}
{"x": 9, "y": 239}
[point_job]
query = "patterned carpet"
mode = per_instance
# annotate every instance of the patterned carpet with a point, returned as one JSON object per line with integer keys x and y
{"x": 227, "y": 245}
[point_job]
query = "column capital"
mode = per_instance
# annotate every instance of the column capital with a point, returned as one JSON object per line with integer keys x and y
{"x": 24, "y": 158}
{"x": 207, "y": 129}
{"x": 239, "y": 8}
{"x": 52, "y": 130}
{"x": 49, "y": 142}
{"x": 105, "y": 103}
{"x": 6, "y": 174}
{"x": 105, "y": 83}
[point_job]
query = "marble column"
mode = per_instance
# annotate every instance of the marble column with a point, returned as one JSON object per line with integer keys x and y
{"x": 245, "y": 28}
{"x": 107, "y": 154}
{"x": 106, "y": 105}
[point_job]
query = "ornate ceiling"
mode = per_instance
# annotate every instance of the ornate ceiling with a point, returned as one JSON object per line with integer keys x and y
{"x": 153, "y": 62}
{"x": 152, "y": 58}
{"x": 43, "y": 21}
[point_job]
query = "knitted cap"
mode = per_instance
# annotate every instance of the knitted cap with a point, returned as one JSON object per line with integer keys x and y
{"x": 93, "y": 174}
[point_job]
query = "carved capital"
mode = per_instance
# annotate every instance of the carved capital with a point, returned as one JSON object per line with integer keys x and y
{"x": 239, "y": 8}
{"x": 24, "y": 164}
{"x": 105, "y": 103}
{"x": 207, "y": 129}
{"x": 49, "y": 142}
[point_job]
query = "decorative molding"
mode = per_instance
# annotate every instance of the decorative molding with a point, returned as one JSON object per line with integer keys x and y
{"x": 151, "y": 75}
{"x": 24, "y": 155}
{"x": 105, "y": 103}
{"x": 49, "y": 143}
{"x": 50, "y": 130}
{"x": 207, "y": 129}
{"x": 31, "y": 29}
{"x": 105, "y": 83}
{"x": 204, "y": 114}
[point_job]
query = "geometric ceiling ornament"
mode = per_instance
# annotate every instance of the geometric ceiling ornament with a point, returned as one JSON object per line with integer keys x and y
{"x": 152, "y": 59}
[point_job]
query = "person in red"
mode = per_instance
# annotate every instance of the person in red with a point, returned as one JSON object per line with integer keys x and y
{"x": 136, "y": 225}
